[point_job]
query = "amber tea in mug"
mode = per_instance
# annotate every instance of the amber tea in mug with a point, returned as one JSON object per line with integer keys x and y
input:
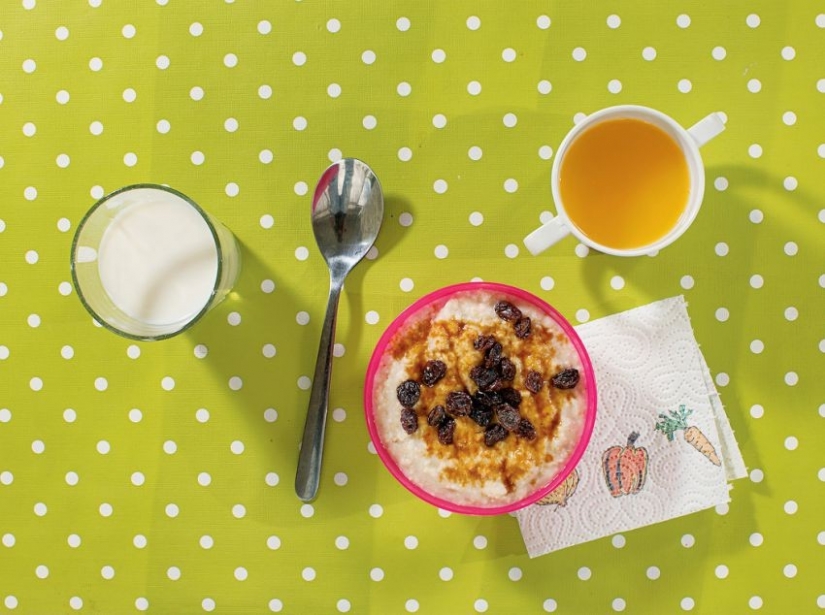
{"x": 626, "y": 180}
{"x": 624, "y": 183}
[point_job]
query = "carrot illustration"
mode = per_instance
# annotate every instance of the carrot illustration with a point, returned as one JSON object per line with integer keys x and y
{"x": 677, "y": 420}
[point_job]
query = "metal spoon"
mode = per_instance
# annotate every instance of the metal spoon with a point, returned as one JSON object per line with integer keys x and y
{"x": 347, "y": 211}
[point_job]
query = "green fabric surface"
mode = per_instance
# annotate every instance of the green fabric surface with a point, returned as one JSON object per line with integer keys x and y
{"x": 123, "y": 491}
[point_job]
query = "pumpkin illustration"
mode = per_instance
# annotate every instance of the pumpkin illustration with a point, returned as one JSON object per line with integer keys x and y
{"x": 562, "y": 493}
{"x": 625, "y": 467}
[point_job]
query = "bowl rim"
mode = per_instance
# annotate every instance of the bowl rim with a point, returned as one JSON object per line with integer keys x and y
{"x": 441, "y": 295}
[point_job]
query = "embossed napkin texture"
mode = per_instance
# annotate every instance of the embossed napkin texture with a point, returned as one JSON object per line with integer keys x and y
{"x": 662, "y": 445}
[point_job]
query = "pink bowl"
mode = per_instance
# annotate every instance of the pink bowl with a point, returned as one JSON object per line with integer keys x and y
{"x": 434, "y": 301}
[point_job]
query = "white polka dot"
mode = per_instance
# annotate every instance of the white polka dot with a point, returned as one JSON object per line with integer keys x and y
{"x": 33, "y": 320}
{"x": 510, "y": 185}
{"x": 438, "y": 56}
{"x": 61, "y": 33}
{"x": 170, "y": 447}
{"x": 4, "y": 353}
{"x": 790, "y": 183}
{"x": 29, "y": 129}
{"x": 755, "y": 602}
{"x": 754, "y": 86}
{"x": 722, "y": 314}
{"x": 617, "y": 282}
{"x": 653, "y": 573}
{"x": 683, "y": 21}
{"x": 40, "y": 509}
{"x": 403, "y": 24}
{"x": 376, "y": 511}
{"x": 510, "y": 120}
{"x": 107, "y": 572}
{"x": 687, "y": 541}
{"x": 721, "y": 249}
{"x": 62, "y": 97}
{"x": 343, "y": 605}
{"x": 543, "y": 22}
{"x": 304, "y": 382}
{"x": 789, "y": 118}
{"x": 208, "y": 604}
{"x": 473, "y": 23}
{"x": 582, "y": 315}
{"x": 338, "y": 350}
{"x": 41, "y": 571}
{"x": 687, "y": 603}
{"x": 474, "y": 88}
{"x": 377, "y": 574}
{"x": 791, "y": 313}
{"x": 613, "y": 21}
{"x": 333, "y": 26}
{"x": 509, "y": 54}
{"x": 579, "y": 54}
{"x": 368, "y": 57}
{"x": 36, "y": 384}
{"x": 405, "y": 154}
{"x": 791, "y": 249}
{"x": 69, "y": 415}
{"x": 649, "y": 53}
{"x": 791, "y": 443}
{"x": 29, "y": 66}
{"x": 544, "y": 87}
{"x": 756, "y": 281}
{"x": 230, "y": 60}
{"x": 73, "y": 541}
{"x": 440, "y": 186}
{"x": 788, "y": 53}
{"x": 411, "y": 542}
{"x": 618, "y": 541}
{"x": 308, "y": 574}
{"x": 445, "y": 574}
{"x": 339, "y": 415}
{"x": 372, "y": 317}
{"x": 820, "y": 86}
{"x": 299, "y": 123}
{"x": 756, "y": 475}
{"x": 684, "y": 86}
{"x": 301, "y": 253}
{"x": 721, "y": 184}
{"x": 239, "y": 511}
{"x": 299, "y": 58}
{"x": 480, "y": 606}
{"x": 753, "y": 20}
{"x": 755, "y": 539}
{"x": 581, "y": 250}
{"x": 105, "y": 510}
{"x": 475, "y": 153}
{"x": 439, "y": 120}
{"x": 241, "y": 573}
{"x": 101, "y": 384}
{"x": 162, "y": 62}
{"x": 138, "y": 479}
{"x": 441, "y": 251}
{"x": 6, "y": 478}
{"x": 545, "y": 152}
{"x": 547, "y": 283}
{"x": 584, "y": 573}
{"x": 757, "y": 346}
{"x": 167, "y": 383}
{"x": 614, "y": 86}
{"x": 755, "y": 151}
{"x": 791, "y": 379}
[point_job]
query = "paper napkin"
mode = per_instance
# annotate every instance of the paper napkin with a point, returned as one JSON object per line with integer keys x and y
{"x": 662, "y": 445}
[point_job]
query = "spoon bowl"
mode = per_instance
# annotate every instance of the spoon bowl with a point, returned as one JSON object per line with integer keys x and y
{"x": 347, "y": 211}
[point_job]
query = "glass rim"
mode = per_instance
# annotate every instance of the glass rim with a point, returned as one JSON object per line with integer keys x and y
{"x": 78, "y": 287}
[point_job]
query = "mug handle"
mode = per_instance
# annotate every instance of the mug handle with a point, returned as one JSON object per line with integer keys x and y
{"x": 706, "y": 128}
{"x": 546, "y": 235}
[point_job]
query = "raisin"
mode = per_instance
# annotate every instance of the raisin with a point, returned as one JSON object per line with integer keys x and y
{"x": 484, "y": 342}
{"x": 493, "y": 434}
{"x": 486, "y": 399}
{"x": 409, "y": 420}
{"x": 533, "y": 381}
{"x": 510, "y": 396}
{"x": 493, "y": 356}
{"x": 525, "y": 430}
{"x": 481, "y": 415}
{"x": 507, "y": 311}
{"x": 483, "y": 377}
{"x": 433, "y": 372}
{"x": 522, "y": 327}
{"x": 436, "y": 416}
{"x": 459, "y": 403}
{"x": 507, "y": 416}
{"x": 408, "y": 393}
{"x": 446, "y": 430}
{"x": 506, "y": 369}
{"x": 566, "y": 379}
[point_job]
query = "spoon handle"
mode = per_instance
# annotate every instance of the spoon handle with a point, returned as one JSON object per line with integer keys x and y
{"x": 312, "y": 444}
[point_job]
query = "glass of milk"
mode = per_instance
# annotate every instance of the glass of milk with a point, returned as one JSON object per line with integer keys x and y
{"x": 148, "y": 262}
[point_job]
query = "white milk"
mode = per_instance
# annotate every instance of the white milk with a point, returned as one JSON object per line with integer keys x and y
{"x": 158, "y": 261}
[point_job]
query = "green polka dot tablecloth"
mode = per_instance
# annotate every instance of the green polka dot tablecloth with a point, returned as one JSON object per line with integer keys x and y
{"x": 158, "y": 477}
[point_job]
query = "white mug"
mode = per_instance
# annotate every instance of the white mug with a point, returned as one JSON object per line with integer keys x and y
{"x": 689, "y": 141}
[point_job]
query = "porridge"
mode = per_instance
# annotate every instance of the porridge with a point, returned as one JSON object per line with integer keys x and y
{"x": 478, "y": 399}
